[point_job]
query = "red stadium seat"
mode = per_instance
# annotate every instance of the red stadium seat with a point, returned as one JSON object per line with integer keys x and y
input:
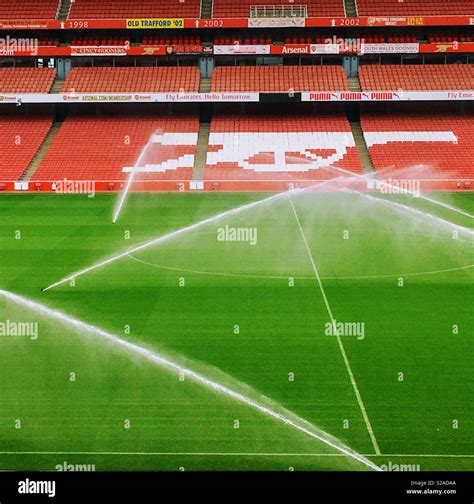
{"x": 91, "y": 148}
{"x": 26, "y": 80}
{"x": 416, "y": 77}
{"x": 29, "y": 10}
{"x": 420, "y": 146}
{"x": 414, "y": 7}
{"x": 124, "y": 9}
{"x": 131, "y": 79}
{"x": 279, "y": 79}
{"x": 283, "y": 147}
{"x": 20, "y": 139}
{"x": 315, "y": 8}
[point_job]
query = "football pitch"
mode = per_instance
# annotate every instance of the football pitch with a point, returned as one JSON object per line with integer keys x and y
{"x": 310, "y": 331}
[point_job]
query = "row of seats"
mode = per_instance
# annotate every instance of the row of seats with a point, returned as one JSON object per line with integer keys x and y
{"x": 114, "y": 9}
{"x": 413, "y": 7}
{"x": 315, "y": 8}
{"x": 252, "y": 146}
{"x": 20, "y": 139}
{"x": 28, "y": 9}
{"x": 279, "y": 79}
{"x": 26, "y": 80}
{"x": 420, "y": 146}
{"x": 442, "y": 37}
{"x": 239, "y": 79}
{"x": 416, "y": 77}
{"x": 244, "y": 39}
{"x": 131, "y": 79}
{"x": 94, "y": 40}
{"x": 123, "y": 9}
{"x": 91, "y": 148}
{"x": 191, "y": 40}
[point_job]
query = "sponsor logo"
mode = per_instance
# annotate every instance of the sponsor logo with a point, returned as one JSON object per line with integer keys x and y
{"x": 150, "y": 51}
{"x": 100, "y": 50}
{"x": 302, "y": 151}
{"x": 274, "y": 152}
{"x": 452, "y": 46}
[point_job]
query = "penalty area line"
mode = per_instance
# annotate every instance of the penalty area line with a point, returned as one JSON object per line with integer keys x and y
{"x": 338, "y": 336}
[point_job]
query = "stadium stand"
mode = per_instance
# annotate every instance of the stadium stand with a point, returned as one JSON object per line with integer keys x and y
{"x": 20, "y": 139}
{"x": 285, "y": 147}
{"x": 123, "y": 9}
{"x": 175, "y": 40}
{"x": 130, "y": 79}
{"x": 420, "y": 146}
{"x": 416, "y": 77}
{"x": 29, "y": 9}
{"x": 26, "y": 80}
{"x": 308, "y": 38}
{"x": 95, "y": 40}
{"x": 279, "y": 79}
{"x": 414, "y": 7}
{"x": 98, "y": 148}
{"x": 434, "y": 38}
{"x": 315, "y": 8}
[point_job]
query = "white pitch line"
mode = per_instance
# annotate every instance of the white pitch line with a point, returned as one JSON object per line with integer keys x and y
{"x": 289, "y": 418}
{"x": 230, "y": 454}
{"x": 338, "y": 337}
{"x": 164, "y": 238}
{"x": 279, "y": 277}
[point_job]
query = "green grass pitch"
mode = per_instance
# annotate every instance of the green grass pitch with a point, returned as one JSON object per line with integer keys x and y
{"x": 248, "y": 313}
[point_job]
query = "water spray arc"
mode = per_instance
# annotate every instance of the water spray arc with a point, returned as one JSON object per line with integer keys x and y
{"x": 285, "y": 416}
{"x": 384, "y": 183}
{"x": 126, "y": 190}
{"x": 167, "y": 237}
{"x": 400, "y": 207}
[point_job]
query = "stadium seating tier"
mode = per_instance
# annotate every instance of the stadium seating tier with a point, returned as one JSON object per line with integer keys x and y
{"x": 414, "y": 7}
{"x": 423, "y": 146}
{"x": 90, "y": 148}
{"x": 124, "y": 9}
{"x": 132, "y": 79}
{"x": 26, "y": 80}
{"x": 280, "y": 147}
{"x": 20, "y": 139}
{"x": 416, "y": 77}
{"x": 279, "y": 79}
